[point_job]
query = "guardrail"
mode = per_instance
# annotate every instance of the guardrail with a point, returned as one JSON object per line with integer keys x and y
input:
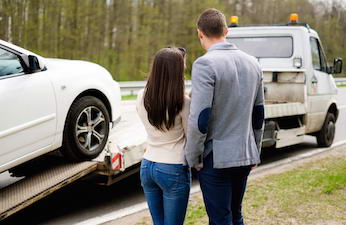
{"x": 340, "y": 80}
{"x": 132, "y": 87}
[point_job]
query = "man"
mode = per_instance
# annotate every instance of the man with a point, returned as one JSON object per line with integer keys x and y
{"x": 226, "y": 119}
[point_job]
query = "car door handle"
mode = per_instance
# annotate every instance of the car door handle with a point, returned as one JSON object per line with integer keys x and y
{"x": 314, "y": 80}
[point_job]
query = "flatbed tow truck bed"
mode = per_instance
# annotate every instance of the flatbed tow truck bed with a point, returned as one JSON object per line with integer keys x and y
{"x": 56, "y": 173}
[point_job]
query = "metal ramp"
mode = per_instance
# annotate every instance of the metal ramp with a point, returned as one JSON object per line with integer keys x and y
{"x": 35, "y": 187}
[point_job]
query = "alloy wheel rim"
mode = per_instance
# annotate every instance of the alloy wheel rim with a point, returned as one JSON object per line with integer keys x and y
{"x": 90, "y": 128}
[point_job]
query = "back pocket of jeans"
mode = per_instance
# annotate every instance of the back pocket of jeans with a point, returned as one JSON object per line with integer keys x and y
{"x": 166, "y": 181}
{"x": 172, "y": 178}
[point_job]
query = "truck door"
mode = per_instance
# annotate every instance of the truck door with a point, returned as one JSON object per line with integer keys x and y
{"x": 320, "y": 87}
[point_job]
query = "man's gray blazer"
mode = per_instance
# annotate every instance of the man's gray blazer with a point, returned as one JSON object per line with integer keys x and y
{"x": 226, "y": 112}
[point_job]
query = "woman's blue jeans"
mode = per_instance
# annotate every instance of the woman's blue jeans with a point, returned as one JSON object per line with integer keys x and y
{"x": 167, "y": 189}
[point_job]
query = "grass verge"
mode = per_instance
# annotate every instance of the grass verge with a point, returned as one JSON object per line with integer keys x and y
{"x": 129, "y": 97}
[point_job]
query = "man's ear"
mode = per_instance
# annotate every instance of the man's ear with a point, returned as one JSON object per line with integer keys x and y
{"x": 225, "y": 32}
{"x": 200, "y": 34}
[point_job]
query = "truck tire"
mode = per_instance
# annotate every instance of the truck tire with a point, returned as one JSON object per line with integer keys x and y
{"x": 86, "y": 129}
{"x": 325, "y": 136}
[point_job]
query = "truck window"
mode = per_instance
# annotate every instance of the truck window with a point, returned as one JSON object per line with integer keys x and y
{"x": 318, "y": 59}
{"x": 265, "y": 47}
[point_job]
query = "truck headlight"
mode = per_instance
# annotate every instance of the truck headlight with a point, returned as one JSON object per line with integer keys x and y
{"x": 297, "y": 62}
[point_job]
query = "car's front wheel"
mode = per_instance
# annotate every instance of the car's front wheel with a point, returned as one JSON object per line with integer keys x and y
{"x": 86, "y": 129}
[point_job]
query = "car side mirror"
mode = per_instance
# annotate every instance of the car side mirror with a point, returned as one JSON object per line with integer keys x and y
{"x": 32, "y": 63}
{"x": 337, "y": 67}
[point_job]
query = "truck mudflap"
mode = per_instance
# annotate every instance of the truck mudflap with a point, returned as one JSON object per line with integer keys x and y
{"x": 37, "y": 186}
{"x": 288, "y": 137}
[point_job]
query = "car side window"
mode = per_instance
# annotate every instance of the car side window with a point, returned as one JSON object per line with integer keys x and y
{"x": 318, "y": 59}
{"x": 9, "y": 63}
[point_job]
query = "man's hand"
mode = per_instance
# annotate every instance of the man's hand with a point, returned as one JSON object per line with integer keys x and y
{"x": 198, "y": 169}
{"x": 253, "y": 167}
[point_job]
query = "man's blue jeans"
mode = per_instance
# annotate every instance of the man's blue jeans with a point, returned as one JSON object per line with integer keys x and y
{"x": 223, "y": 191}
{"x": 166, "y": 188}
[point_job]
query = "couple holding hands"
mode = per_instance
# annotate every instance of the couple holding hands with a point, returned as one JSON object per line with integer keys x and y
{"x": 217, "y": 131}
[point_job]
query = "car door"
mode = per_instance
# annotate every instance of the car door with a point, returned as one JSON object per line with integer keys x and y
{"x": 321, "y": 86}
{"x": 27, "y": 111}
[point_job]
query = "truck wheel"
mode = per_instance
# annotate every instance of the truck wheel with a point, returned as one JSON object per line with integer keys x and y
{"x": 325, "y": 136}
{"x": 86, "y": 129}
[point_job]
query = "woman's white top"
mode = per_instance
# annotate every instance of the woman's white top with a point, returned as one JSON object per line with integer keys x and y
{"x": 165, "y": 146}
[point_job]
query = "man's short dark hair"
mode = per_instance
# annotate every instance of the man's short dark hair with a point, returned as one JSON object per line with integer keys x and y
{"x": 212, "y": 23}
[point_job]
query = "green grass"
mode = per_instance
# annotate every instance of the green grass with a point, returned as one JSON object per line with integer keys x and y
{"x": 342, "y": 85}
{"x": 129, "y": 97}
{"x": 196, "y": 213}
{"x": 311, "y": 194}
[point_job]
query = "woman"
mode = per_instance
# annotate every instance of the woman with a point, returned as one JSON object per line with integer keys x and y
{"x": 163, "y": 109}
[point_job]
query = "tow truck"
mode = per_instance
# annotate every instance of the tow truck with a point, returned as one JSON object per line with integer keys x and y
{"x": 300, "y": 92}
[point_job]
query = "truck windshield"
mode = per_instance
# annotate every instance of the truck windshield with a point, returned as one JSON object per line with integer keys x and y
{"x": 265, "y": 47}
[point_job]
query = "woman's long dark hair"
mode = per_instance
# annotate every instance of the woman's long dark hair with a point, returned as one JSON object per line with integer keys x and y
{"x": 164, "y": 92}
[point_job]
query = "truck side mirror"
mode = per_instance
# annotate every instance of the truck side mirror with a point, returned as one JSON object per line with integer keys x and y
{"x": 337, "y": 67}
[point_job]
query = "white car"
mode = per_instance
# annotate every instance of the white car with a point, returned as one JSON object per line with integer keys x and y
{"x": 47, "y": 104}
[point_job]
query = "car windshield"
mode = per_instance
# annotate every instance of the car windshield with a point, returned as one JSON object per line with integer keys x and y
{"x": 265, "y": 47}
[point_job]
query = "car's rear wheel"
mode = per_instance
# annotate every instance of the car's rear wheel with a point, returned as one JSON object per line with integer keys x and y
{"x": 325, "y": 136}
{"x": 86, "y": 129}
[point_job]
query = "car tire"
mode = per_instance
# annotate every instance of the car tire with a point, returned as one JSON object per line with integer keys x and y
{"x": 325, "y": 136}
{"x": 86, "y": 129}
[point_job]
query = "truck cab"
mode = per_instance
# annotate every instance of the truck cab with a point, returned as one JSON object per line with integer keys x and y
{"x": 300, "y": 92}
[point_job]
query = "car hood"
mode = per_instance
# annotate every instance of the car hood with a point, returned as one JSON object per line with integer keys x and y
{"x": 75, "y": 66}
{"x": 60, "y": 63}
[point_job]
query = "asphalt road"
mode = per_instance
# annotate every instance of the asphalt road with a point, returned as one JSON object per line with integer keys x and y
{"x": 84, "y": 200}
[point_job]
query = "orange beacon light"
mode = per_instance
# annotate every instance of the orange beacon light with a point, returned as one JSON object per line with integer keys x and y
{"x": 233, "y": 21}
{"x": 294, "y": 18}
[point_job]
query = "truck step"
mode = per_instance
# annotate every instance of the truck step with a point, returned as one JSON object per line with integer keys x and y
{"x": 284, "y": 109}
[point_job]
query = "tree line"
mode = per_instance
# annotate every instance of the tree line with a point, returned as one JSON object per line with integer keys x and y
{"x": 123, "y": 35}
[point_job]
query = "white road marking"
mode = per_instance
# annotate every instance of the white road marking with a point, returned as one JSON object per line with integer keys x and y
{"x": 196, "y": 188}
{"x": 115, "y": 215}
